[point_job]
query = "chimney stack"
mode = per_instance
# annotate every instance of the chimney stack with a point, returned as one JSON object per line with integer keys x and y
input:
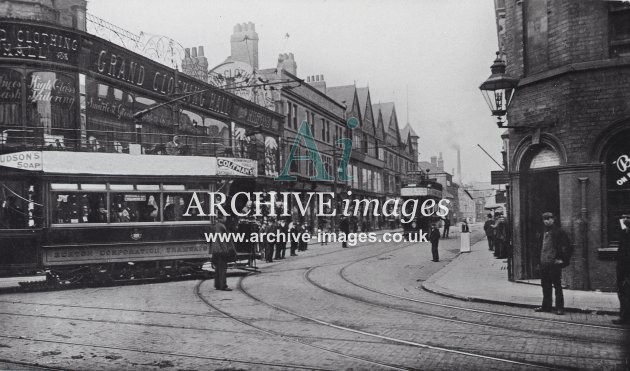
{"x": 318, "y": 82}
{"x": 195, "y": 64}
{"x": 440, "y": 162}
{"x": 286, "y": 61}
{"x": 244, "y": 41}
{"x": 459, "y": 165}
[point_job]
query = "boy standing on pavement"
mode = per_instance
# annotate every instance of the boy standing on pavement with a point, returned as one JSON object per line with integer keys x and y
{"x": 434, "y": 237}
{"x": 554, "y": 255}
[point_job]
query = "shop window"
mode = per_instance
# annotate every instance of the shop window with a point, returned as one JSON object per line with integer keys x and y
{"x": 618, "y": 188}
{"x": 619, "y": 31}
{"x": 11, "y": 131}
{"x": 109, "y": 117}
{"x": 51, "y": 98}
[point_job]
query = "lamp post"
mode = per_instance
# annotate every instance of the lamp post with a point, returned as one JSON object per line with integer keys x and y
{"x": 498, "y": 90}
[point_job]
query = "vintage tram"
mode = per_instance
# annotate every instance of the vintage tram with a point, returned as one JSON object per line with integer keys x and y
{"x": 82, "y": 215}
{"x": 101, "y": 149}
{"x": 421, "y": 190}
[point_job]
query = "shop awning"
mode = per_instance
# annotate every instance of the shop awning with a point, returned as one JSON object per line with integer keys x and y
{"x": 92, "y": 163}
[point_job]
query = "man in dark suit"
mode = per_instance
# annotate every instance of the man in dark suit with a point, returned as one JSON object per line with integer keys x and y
{"x": 434, "y": 238}
{"x": 221, "y": 255}
{"x": 344, "y": 227}
{"x": 487, "y": 227}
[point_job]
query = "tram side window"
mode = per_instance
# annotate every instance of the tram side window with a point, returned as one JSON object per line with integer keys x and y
{"x": 14, "y": 206}
{"x": 76, "y": 208}
{"x": 176, "y": 205}
{"x": 135, "y": 207}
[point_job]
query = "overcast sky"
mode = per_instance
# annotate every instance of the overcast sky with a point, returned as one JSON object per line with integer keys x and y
{"x": 440, "y": 50}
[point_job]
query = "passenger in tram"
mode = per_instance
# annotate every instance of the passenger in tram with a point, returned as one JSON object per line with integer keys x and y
{"x": 151, "y": 210}
{"x": 174, "y": 147}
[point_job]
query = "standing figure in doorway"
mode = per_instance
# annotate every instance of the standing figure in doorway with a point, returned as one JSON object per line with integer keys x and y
{"x": 447, "y": 226}
{"x": 554, "y": 255}
{"x": 487, "y": 227}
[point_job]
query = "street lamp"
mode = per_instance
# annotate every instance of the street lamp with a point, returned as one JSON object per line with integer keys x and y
{"x": 498, "y": 90}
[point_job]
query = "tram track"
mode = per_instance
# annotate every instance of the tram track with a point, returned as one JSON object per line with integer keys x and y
{"x": 357, "y": 298}
{"x": 393, "y": 340}
{"x": 154, "y": 352}
{"x": 523, "y": 355}
{"x": 344, "y": 276}
{"x": 284, "y": 336}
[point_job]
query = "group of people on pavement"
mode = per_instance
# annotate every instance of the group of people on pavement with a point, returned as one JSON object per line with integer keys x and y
{"x": 277, "y": 249}
{"x": 496, "y": 229}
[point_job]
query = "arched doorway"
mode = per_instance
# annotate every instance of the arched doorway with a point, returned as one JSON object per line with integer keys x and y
{"x": 617, "y": 159}
{"x": 539, "y": 182}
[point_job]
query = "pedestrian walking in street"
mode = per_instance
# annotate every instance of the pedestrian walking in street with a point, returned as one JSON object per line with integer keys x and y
{"x": 487, "y": 227}
{"x": 222, "y": 252}
{"x": 434, "y": 238}
{"x": 555, "y": 254}
{"x": 281, "y": 245}
{"x": 344, "y": 228}
{"x": 500, "y": 236}
{"x": 465, "y": 227}
{"x": 294, "y": 231}
{"x": 623, "y": 273}
{"x": 303, "y": 244}
{"x": 271, "y": 229}
{"x": 447, "y": 226}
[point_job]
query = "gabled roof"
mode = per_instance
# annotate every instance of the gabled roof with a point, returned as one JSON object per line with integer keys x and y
{"x": 366, "y": 106}
{"x": 386, "y": 110}
{"x": 404, "y": 132}
{"x": 342, "y": 94}
{"x": 378, "y": 123}
{"x": 363, "y": 96}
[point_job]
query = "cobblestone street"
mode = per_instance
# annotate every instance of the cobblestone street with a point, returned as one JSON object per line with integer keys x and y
{"x": 329, "y": 308}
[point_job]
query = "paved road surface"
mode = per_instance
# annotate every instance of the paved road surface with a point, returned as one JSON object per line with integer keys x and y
{"x": 329, "y": 308}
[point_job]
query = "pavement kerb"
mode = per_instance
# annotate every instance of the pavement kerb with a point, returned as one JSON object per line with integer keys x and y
{"x": 430, "y": 286}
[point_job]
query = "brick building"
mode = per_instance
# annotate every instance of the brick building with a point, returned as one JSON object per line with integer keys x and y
{"x": 573, "y": 62}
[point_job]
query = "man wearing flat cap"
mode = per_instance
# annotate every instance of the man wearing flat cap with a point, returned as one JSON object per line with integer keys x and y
{"x": 554, "y": 255}
{"x": 623, "y": 273}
